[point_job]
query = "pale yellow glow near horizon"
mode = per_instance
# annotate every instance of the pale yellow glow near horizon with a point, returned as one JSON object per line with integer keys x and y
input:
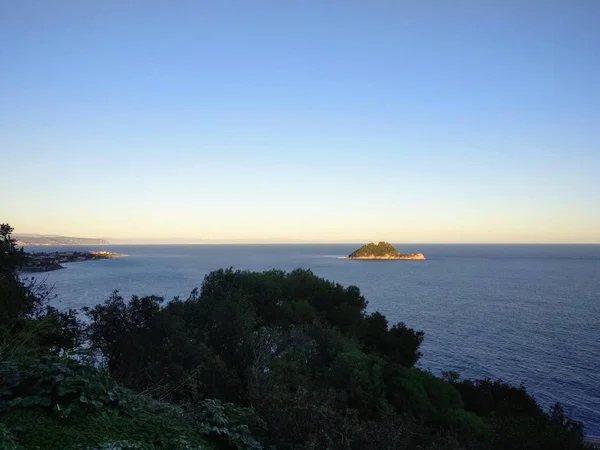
{"x": 405, "y": 231}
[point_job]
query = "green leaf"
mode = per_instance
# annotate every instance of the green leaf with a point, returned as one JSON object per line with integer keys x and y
{"x": 59, "y": 378}
{"x": 97, "y": 404}
{"x": 31, "y": 401}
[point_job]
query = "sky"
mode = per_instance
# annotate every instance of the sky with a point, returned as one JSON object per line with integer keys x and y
{"x": 308, "y": 120}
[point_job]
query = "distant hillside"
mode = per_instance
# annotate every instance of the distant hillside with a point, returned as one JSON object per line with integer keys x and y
{"x": 40, "y": 239}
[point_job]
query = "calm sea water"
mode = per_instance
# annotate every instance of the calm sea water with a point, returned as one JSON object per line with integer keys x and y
{"x": 523, "y": 313}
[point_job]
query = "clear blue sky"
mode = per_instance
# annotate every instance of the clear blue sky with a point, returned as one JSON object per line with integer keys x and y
{"x": 421, "y": 121}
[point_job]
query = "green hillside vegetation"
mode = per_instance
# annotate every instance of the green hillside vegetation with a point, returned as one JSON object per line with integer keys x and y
{"x": 275, "y": 359}
{"x": 378, "y": 249}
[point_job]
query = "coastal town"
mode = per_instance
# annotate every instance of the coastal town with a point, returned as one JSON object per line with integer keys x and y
{"x": 48, "y": 261}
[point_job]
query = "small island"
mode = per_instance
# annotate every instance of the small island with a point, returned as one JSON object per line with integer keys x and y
{"x": 46, "y": 262}
{"x": 382, "y": 250}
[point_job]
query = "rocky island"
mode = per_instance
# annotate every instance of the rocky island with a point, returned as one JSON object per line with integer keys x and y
{"x": 45, "y": 262}
{"x": 382, "y": 250}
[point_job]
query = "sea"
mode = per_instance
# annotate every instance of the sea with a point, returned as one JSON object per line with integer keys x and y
{"x": 523, "y": 313}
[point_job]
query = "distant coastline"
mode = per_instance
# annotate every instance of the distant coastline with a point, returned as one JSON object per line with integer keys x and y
{"x": 49, "y": 261}
{"x": 54, "y": 240}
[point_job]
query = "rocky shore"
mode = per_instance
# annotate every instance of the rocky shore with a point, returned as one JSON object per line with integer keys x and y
{"x": 415, "y": 256}
{"x": 46, "y": 262}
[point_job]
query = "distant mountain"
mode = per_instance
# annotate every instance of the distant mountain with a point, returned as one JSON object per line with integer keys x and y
{"x": 176, "y": 240}
{"x": 40, "y": 239}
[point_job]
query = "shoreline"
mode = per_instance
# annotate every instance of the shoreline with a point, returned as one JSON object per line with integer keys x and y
{"x": 407, "y": 257}
{"x": 50, "y": 261}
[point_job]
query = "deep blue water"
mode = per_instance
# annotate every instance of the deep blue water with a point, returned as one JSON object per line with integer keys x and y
{"x": 523, "y": 313}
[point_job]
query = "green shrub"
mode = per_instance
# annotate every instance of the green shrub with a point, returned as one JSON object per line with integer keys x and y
{"x": 441, "y": 394}
{"x": 36, "y": 429}
{"x": 467, "y": 424}
{"x": 62, "y": 385}
{"x": 360, "y": 378}
{"x": 225, "y": 423}
{"x": 7, "y": 440}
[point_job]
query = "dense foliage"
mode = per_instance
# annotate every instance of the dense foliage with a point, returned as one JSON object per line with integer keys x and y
{"x": 252, "y": 360}
{"x": 376, "y": 249}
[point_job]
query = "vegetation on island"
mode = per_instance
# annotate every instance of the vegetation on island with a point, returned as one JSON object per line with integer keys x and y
{"x": 382, "y": 250}
{"x": 271, "y": 360}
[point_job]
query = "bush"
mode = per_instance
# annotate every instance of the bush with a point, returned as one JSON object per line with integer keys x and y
{"x": 226, "y": 423}
{"x": 61, "y": 385}
{"x": 360, "y": 378}
{"x": 7, "y": 440}
{"x": 36, "y": 429}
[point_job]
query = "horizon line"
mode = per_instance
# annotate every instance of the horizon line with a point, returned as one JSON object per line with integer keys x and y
{"x": 276, "y": 241}
{"x": 228, "y": 242}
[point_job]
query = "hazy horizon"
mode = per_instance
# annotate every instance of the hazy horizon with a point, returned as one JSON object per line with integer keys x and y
{"x": 279, "y": 240}
{"x": 311, "y": 121}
